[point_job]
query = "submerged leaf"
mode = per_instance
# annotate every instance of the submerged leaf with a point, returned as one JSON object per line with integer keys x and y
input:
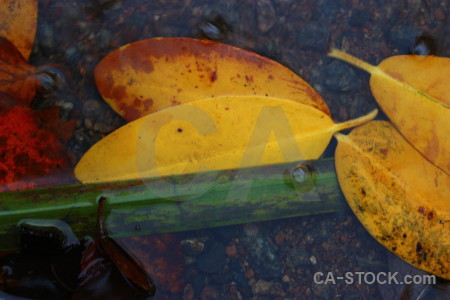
{"x": 125, "y": 263}
{"x": 18, "y": 19}
{"x": 16, "y": 75}
{"x": 148, "y": 75}
{"x": 413, "y": 92}
{"x": 399, "y": 196}
{"x": 216, "y": 133}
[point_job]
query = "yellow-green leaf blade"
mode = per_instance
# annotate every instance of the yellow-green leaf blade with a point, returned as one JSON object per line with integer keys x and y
{"x": 211, "y": 134}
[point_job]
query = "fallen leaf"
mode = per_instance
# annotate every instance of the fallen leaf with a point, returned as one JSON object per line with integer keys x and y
{"x": 125, "y": 263}
{"x": 101, "y": 260}
{"x": 399, "y": 196}
{"x": 148, "y": 75}
{"x": 16, "y": 75}
{"x": 217, "y": 133}
{"x": 18, "y": 19}
{"x": 100, "y": 278}
{"x": 413, "y": 92}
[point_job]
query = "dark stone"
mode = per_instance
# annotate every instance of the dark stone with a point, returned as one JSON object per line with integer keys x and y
{"x": 214, "y": 28}
{"x": 238, "y": 275}
{"x": 225, "y": 233}
{"x": 92, "y": 108}
{"x": 425, "y": 45}
{"x": 266, "y": 15}
{"x": 340, "y": 77}
{"x": 314, "y": 36}
{"x": 298, "y": 257}
{"x": 403, "y": 37}
{"x": 212, "y": 259}
{"x": 263, "y": 259}
{"x": 192, "y": 247}
{"x": 72, "y": 55}
{"x": 198, "y": 281}
{"x": 46, "y": 38}
{"x": 360, "y": 18}
{"x": 104, "y": 39}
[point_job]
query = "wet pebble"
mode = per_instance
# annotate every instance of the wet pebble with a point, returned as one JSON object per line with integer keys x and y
{"x": 425, "y": 45}
{"x": 72, "y": 55}
{"x": 263, "y": 258}
{"x": 279, "y": 238}
{"x": 251, "y": 229}
{"x": 92, "y": 108}
{"x": 249, "y": 273}
{"x": 262, "y": 287}
{"x": 209, "y": 293}
{"x": 238, "y": 275}
{"x": 403, "y": 37}
{"x": 46, "y": 38}
{"x": 192, "y": 247}
{"x": 298, "y": 257}
{"x": 215, "y": 28}
{"x": 231, "y": 251}
{"x": 188, "y": 292}
{"x": 322, "y": 291}
{"x": 104, "y": 38}
{"x": 314, "y": 36}
{"x": 224, "y": 233}
{"x": 102, "y": 127}
{"x": 266, "y": 15}
{"x": 198, "y": 280}
{"x": 210, "y": 31}
{"x": 360, "y": 18}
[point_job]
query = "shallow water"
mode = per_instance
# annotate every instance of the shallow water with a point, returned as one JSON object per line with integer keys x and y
{"x": 265, "y": 260}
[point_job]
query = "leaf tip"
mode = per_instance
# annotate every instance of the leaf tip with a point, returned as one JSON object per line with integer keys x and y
{"x": 334, "y": 53}
{"x": 339, "y": 136}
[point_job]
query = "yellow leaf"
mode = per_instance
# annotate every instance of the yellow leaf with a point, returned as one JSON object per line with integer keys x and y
{"x": 400, "y": 197}
{"x": 211, "y": 134}
{"x": 18, "y": 20}
{"x": 148, "y": 75}
{"x": 414, "y": 93}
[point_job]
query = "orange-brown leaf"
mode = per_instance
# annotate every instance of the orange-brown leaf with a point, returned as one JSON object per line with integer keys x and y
{"x": 18, "y": 19}
{"x": 16, "y": 75}
{"x": 148, "y": 75}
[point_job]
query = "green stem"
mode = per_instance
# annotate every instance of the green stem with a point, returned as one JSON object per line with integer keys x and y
{"x": 177, "y": 203}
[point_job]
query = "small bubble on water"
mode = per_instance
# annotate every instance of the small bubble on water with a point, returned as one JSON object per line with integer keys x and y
{"x": 303, "y": 178}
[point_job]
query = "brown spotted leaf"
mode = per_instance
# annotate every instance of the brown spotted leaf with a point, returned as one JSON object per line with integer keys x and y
{"x": 399, "y": 196}
{"x": 148, "y": 75}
